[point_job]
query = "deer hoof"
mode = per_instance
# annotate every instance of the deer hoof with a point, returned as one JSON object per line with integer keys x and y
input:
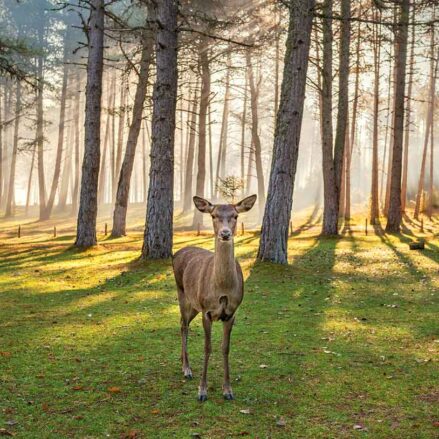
{"x": 188, "y": 374}
{"x": 202, "y": 397}
{"x": 229, "y": 396}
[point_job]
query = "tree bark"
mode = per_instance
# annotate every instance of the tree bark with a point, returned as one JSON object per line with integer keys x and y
{"x": 29, "y": 181}
{"x": 40, "y": 134}
{"x": 254, "y": 94}
{"x": 408, "y": 118}
{"x": 394, "y": 213}
{"x": 374, "y": 204}
{"x": 243, "y": 127}
{"x": 75, "y": 189}
{"x": 122, "y": 196}
{"x": 59, "y": 150}
{"x": 192, "y": 127}
{"x": 10, "y": 201}
{"x": 158, "y": 237}
{"x": 88, "y": 205}
{"x": 204, "y": 104}
{"x": 274, "y": 236}
{"x": 333, "y": 162}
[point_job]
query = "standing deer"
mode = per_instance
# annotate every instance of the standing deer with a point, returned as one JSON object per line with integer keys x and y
{"x": 211, "y": 284}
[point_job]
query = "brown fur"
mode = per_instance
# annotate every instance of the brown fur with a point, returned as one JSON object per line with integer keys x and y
{"x": 211, "y": 284}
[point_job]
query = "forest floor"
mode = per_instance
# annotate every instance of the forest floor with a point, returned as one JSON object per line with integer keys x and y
{"x": 341, "y": 343}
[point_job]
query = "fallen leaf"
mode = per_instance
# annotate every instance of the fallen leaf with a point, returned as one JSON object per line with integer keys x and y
{"x": 77, "y": 388}
{"x": 263, "y": 366}
{"x": 114, "y": 389}
{"x": 5, "y": 354}
{"x": 245, "y": 411}
{"x": 4, "y": 432}
{"x": 45, "y": 407}
{"x": 155, "y": 411}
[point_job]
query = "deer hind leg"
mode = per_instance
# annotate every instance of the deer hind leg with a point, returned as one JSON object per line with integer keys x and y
{"x": 227, "y": 330}
{"x": 187, "y": 315}
{"x": 207, "y": 325}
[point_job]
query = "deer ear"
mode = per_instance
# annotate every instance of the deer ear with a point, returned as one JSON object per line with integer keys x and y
{"x": 246, "y": 204}
{"x": 203, "y": 205}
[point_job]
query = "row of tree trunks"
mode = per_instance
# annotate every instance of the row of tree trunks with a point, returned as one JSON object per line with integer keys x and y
{"x": 274, "y": 235}
{"x": 123, "y": 188}
{"x": 394, "y": 213}
{"x": 157, "y": 243}
{"x": 429, "y": 128}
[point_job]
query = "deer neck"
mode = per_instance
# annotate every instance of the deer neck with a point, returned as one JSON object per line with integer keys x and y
{"x": 224, "y": 266}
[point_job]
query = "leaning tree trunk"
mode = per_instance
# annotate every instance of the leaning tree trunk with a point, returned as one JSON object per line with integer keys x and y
{"x": 157, "y": 243}
{"x": 62, "y": 119}
{"x": 29, "y": 181}
{"x": 88, "y": 204}
{"x": 394, "y": 213}
{"x": 123, "y": 188}
{"x": 254, "y": 92}
{"x": 204, "y": 105}
{"x": 374, "y": 203}
{"x": 10, "y": 201}
{"x": 274, "y": 236}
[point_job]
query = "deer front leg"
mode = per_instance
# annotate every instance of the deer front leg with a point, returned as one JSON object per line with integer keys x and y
{"x": 227, "y": 330}
{"x": 207, "y": 325}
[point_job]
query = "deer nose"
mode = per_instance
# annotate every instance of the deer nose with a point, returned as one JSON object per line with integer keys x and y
{"x": 225, "y": 234}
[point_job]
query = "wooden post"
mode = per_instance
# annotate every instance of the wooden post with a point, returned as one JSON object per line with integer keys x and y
{"x": 366, "y": 226}
{"x": 291, "y": 228}
{"x": 242, "y": 228}
{"x": 422, "y": 225}
{"x": 198, "y": 229}
{"x": 54, "y": 231}
{"x": 19, "y": 232}
{"x": 106, "y": 229}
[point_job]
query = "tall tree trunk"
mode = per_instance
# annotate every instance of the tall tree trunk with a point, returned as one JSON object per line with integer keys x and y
{"x": 77, "y": 102}
{"x": 1, "y": 148}
{"x": 120, "y": 131}
{"x": 408, "y": 118}
{"x": 243, "y": 127}
{"x": 222, "y": 147}
{"x": 62, "y": 118}
{"x": 347, "y": 208}
{"x": 29, "y": 181}
{"x": 40, "y": 136}
{"x": 394, "y": 213}
{"x": 333, "y": 163}
{"x": 211, "y": 176}
{"x": 431, "y": 183}
{"x": 123, "y": 189}
{"x": 204, "y": 104}
{"x": 254, "y": 95}
{"x": 10, "y": 201}
{"x": 88, "y": 205}
{"x": 106, "y": 146}
{"x": 330, "y": 211}
{"x": 274, "y": 235}
{"x": 192, "y": 128}
{"x": 374, "y": 204}
{"x": 157, "y": 243}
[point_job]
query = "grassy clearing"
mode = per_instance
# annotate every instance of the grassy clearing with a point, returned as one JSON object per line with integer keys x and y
{"x": 89, "y": 341}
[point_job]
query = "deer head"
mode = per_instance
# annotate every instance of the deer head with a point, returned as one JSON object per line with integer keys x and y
{"x": 224, "y": 216}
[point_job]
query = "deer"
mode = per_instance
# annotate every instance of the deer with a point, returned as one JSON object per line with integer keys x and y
{"x": 211, "y": 283}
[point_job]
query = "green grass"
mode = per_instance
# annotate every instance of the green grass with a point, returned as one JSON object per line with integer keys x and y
{"x": 90, "y": 344}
